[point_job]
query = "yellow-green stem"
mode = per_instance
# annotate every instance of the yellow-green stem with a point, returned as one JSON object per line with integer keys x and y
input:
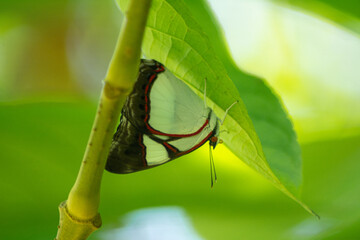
{"x": 82, "y": 205}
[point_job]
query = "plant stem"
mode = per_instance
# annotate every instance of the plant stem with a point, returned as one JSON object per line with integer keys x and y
{"x": 79, "y": 214}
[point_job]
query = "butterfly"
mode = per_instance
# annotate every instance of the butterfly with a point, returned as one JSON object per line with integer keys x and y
{"x": 162, "y": 119}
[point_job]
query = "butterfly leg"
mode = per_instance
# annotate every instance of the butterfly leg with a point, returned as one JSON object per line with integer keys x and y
{"x": 224, "y": 130}
{"x": 227, "y": 110}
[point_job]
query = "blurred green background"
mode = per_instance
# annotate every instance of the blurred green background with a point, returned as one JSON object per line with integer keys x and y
{"x": 53, "y": 56}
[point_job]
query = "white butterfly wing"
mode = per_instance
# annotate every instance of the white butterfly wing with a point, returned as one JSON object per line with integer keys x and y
{"x": 187, "y": 144}
{"x": 162, "y": 120}
{"x": 155, "y": 152}
{"x": 174, "y": 107}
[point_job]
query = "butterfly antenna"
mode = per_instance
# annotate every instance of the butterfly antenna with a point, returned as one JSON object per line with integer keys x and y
{"x": 215, "y": 177}
{"x": 205, "y": 94}
{"x": 227, "y": 110}
{"x": 212, "y": 168}
{"x": 211, "y": 172}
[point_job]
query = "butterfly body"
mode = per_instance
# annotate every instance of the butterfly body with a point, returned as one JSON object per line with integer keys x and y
{"x": 162, "y": 119}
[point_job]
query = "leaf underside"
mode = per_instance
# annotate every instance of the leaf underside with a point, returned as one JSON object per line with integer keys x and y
{"x": 258, "y": 130}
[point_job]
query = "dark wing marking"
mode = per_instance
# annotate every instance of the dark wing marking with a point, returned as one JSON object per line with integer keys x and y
{"x": 127, "y": 152}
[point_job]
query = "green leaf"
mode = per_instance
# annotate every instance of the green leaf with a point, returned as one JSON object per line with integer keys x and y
{"x": 270, "y": 119}
{"x": 176, "y": 39}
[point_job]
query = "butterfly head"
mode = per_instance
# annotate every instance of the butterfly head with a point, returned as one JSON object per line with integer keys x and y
{"x": 213, "y": 141}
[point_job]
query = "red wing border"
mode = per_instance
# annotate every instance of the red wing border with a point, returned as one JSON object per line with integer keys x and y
{"x": 128, "y": 152}
{"x": 175, "y": 153}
